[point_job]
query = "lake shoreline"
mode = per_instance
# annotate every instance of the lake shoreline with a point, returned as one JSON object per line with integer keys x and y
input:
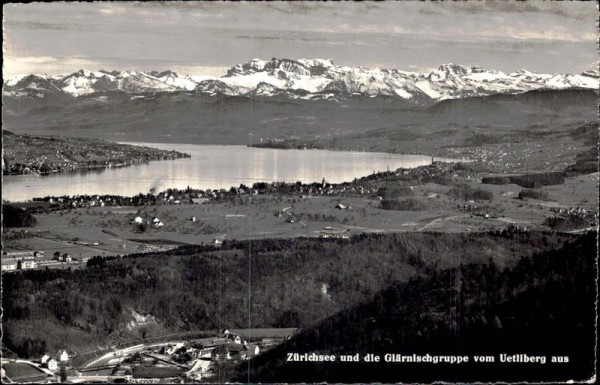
{"x": 303, "y": 189}
{"x": 210, "y": 167}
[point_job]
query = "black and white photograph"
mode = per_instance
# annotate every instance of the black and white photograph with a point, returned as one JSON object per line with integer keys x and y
{"x": 300, "y": 192}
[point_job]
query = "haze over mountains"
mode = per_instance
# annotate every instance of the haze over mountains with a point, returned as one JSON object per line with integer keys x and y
{"x": 305, "y": 79}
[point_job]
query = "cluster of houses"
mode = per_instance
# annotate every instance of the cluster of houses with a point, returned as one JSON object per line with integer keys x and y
{"x": 191, "y": 359}
{"x": 576, "y": 212}
{"x": 20, "y": 260}
{"x": 471, "y": 207}
{"x": 52, "y": 362}
{"x": 64, "y": 257}
{"x": 330, "y": 232}
{"x": 497, "y": 155}
{"x": 30, "y": 154}
{"x": 12, "y": 264}
{"x": 234, "y": 349}
{"x": 154, "y": 221}
{"x": 88, "y": 201}
{"x": 27, "y": 260}
{"x": 365, "y": 186}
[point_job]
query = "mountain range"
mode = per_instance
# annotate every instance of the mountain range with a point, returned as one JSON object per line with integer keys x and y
{"x": 304, "y": 79}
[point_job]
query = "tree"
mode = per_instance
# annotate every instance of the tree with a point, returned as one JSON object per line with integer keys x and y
{"x": 288, "y": 319}
{"x": 63, "y": 372}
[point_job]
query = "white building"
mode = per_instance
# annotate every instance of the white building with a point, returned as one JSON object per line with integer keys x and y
{"x": 9, "y": 265}
{"x": 52, "y": 364}
{"x": 64, "y": 356}
{"x": 24, "y": 264}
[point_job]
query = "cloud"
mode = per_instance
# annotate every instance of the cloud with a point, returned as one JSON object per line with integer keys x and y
{"x": 281, "y": 36}
{"x": 49, "y": 65}
{"x": 52, "y": 65}
{"x": 364, "y": 29}
{"x": 216, "y": 71}
{"x": 111, "y": 9}
{"x": 421, "y": 69}
{"x": 290, "y": 7}
{"x": 550, "y": 34}
{"x": 131, "y": 35}
{"x": 572, "y": 10}
{"x": 40, "y": 25}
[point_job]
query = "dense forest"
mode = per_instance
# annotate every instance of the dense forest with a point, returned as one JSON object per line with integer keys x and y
{"x": 543, "y": 305}
{"x": 528, "y": 180}
{"x": 294, "y": 283}
{"x": 16, "y": 217}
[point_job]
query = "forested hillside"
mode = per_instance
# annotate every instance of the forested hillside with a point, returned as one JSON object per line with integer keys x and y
{"x": 544, "y": 305}
{"x": 294, "y": 282}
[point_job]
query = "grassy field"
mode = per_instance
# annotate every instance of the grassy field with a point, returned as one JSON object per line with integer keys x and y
{"x": 23, "y": 372}
{"x": 264, "y": 332}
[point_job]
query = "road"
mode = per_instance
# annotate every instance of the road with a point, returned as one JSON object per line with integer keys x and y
{"x": 583, "y": 230}
{"x": 71, "y": 245}
{"x": 91, "y": 379}
{"x": 442, "y": 219}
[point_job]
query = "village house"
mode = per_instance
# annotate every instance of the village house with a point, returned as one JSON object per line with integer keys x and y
{"x": 63, "y": 356}
{"x": 25, "y": 265}
{"x": 49, "y": 362}
{"x": 229, "y": 351}
{"x": 173, "y": 349}
{"x": 233, "y": 338}
{"x": 252, "y": 350}
{"x": 9, "y": 265}
{"x": 20, "y": 254}
{"x": 138, "y": 220}
{"x": 52, "y": 364}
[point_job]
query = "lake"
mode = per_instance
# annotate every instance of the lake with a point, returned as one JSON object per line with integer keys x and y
{"x": 210, "y": 166}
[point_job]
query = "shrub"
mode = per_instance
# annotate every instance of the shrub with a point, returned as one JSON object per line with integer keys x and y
{"x": 405, "y": 205}
{"x": 16, "y": 217}
{"x": 528, "y": 180}
{"x": 533, "y": 194}
{"x": 466, "y": 192}
{"x": 483, "y": 195}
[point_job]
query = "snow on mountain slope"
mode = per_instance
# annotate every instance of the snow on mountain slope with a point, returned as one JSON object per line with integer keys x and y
{"x": 307, "y": 79}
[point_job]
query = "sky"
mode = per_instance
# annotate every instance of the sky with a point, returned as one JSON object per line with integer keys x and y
{"x": 202, "y": 38}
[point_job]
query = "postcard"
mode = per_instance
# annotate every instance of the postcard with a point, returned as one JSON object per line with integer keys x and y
{"x": 300, "y": 192}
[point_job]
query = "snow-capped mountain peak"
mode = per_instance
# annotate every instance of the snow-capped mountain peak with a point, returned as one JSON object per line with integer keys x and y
{"x": 307, "y": 79}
